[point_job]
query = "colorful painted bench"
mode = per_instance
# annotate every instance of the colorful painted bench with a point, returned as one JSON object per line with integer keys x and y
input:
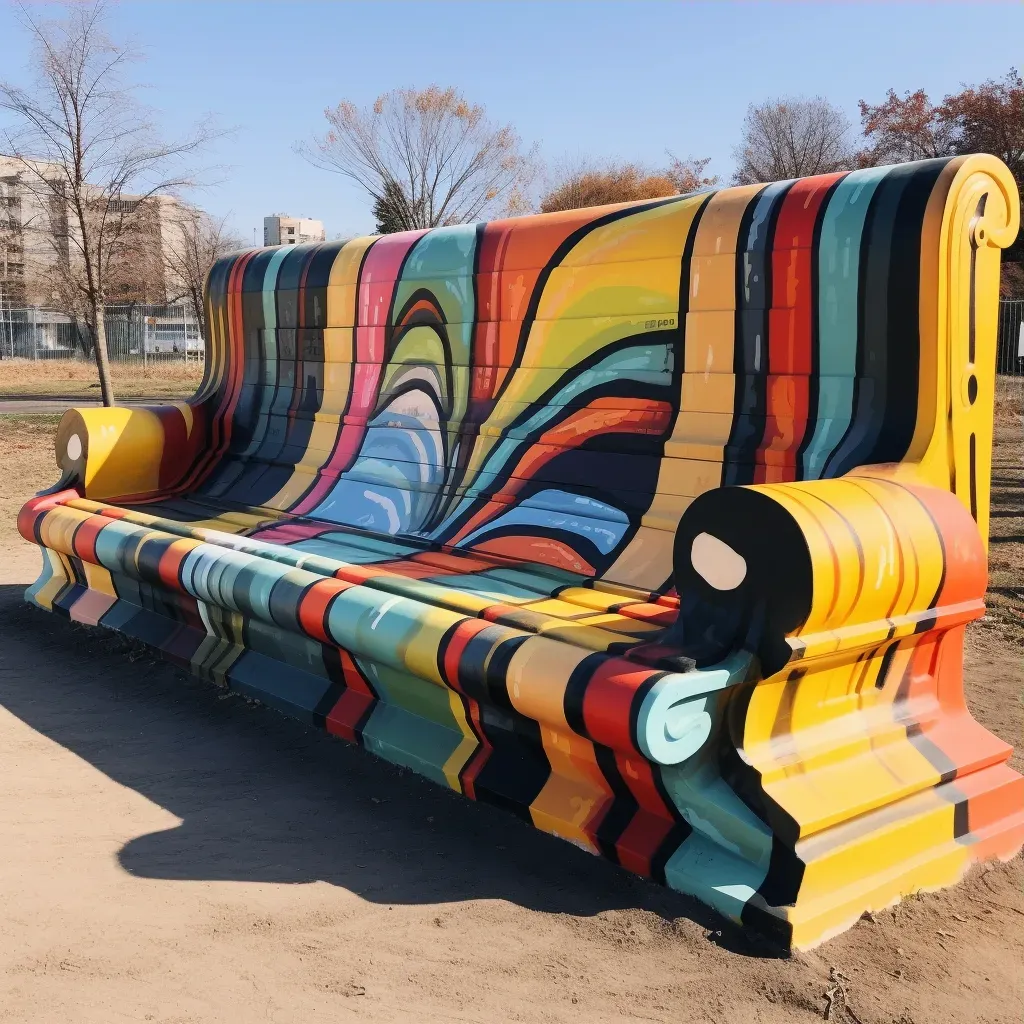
{"x": 658, "y": 525}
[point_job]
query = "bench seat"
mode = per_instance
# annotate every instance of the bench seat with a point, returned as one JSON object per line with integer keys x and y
{"x": 657, "y": 525}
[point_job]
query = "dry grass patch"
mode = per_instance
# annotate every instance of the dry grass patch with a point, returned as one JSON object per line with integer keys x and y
{"x": 29, "y": 465}
{"x": 78, "y": 378}
{"x": 1009, "y": 400}
{"x": 1006, "y": 538}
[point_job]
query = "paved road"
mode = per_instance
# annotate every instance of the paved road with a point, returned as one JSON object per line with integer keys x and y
{"x": 32, "y": 405}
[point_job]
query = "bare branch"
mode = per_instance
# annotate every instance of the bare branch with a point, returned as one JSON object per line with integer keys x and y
{"x": 791, "y": 138}
{"x": 432, "y": 156}
{"x": 92, "y": 159}
{"x": 194, "y": 243}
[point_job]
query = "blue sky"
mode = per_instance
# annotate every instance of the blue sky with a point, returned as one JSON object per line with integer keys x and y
{"x": 609, "y": 80}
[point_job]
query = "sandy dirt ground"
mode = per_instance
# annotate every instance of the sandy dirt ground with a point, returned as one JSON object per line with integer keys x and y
{"x": 174, "y": 855}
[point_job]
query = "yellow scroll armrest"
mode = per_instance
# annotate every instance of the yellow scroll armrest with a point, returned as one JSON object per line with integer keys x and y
{"x": 795, "y": 571}
{"x": 128, "y": 451}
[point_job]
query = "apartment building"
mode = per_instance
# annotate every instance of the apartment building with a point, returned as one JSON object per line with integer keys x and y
{"x": 38, "y": 251}
{"x": 280, "y": 229}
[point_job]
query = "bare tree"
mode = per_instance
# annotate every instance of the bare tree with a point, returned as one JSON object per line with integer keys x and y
{"x": 790, "y": 138}
{"x": 91, "y": 155}
{"x": 193, "y": 243}
{"x": 426, "y": 157}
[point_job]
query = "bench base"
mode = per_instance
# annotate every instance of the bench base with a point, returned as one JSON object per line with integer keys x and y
{"x": 697, "y": 836}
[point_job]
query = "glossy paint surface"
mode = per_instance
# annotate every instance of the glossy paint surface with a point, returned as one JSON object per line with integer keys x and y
{"x": 657, "y": 525}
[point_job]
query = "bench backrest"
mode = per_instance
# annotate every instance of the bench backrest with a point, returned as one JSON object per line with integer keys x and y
{"x": 558, "y": 388}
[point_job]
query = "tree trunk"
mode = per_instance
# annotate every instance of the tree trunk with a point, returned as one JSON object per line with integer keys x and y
{"x": 99, "y": 333}
{"x": 199, "y": 309}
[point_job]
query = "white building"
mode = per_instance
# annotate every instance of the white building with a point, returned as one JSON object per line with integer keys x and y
{"x": 280, "y": 229}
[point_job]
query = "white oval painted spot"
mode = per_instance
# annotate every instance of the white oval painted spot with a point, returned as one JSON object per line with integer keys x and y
{"x": 717, "y": 563}
{"x": 74, "y": 447}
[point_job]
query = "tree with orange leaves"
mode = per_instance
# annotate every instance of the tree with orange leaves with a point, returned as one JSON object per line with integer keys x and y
{"x": 584, "y": 183}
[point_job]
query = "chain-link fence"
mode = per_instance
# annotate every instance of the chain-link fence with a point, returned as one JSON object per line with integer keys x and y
{"x": 140, "y": 333}
{"x": 134, "y": 334}
{"x": 1010, "y": 352}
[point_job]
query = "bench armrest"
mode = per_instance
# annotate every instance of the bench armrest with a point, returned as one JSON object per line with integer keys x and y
{"x": 801, "y": 570}
{"x": 128, "y": 451}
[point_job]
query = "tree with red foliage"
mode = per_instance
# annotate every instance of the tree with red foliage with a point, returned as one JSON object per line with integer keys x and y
{"x": 905, "y": 128}
{"x": 987, "y": 118}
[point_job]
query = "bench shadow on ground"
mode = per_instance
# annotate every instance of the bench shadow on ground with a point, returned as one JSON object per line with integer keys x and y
{"x": 265, "y": 799}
